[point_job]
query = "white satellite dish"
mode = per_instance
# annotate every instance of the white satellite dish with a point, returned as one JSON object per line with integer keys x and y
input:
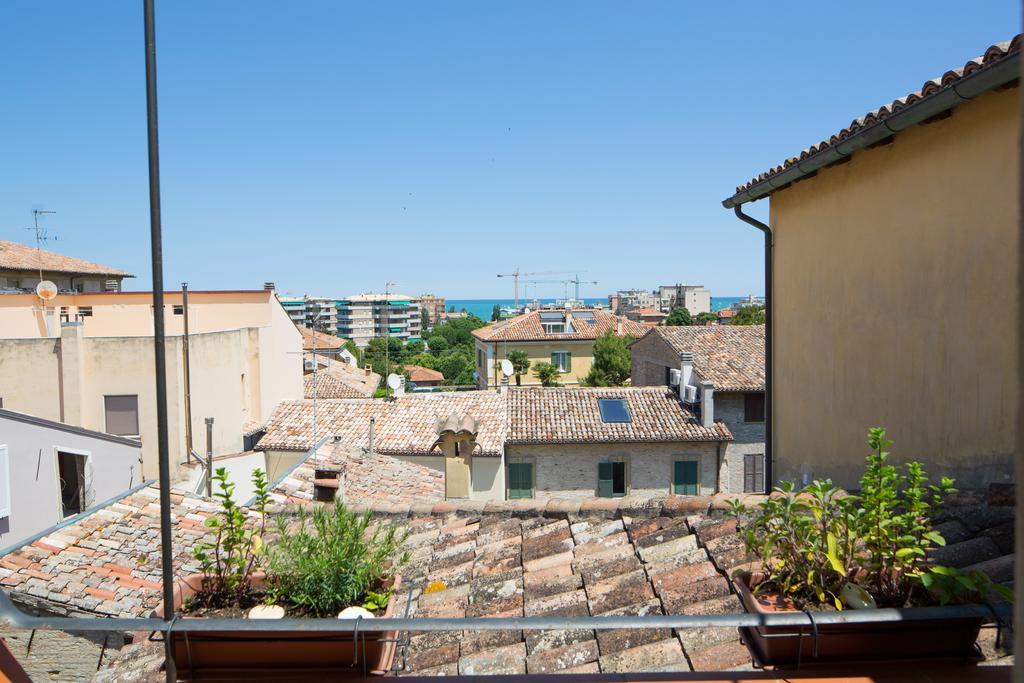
{"x": 506, "y": 368}
{"x": 46, "y": 290}
{"x": 394, "y": 381}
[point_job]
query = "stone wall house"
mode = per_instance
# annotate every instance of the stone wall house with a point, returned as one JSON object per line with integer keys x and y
{"x": 728, "y": 362}
{"x": 567, "y": 443}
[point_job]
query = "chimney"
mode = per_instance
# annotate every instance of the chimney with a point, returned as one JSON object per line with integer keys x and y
{"x": 369, "y": 369}
{"x": 618, "y": 326}
{"x": 269, "y": 286}
{"x": 400, "y": 391}
{"x": 707, "y": 404}
{"x": 686, "y": 373}
{"x": 503, "y": 387}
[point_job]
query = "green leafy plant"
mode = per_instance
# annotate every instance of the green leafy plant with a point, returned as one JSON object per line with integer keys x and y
{"x": 520, "y": 364}
{"x": 814, "y": 541}
{"x": 324, "y": 561}
{"x": 679, "y": 316}
{"x": 237, "y": 549}
{"x": 954, "y": 586}
{"x": 804, "y": 540}
{"x": 547, "y": 373}
{"x": 895, "y": 522}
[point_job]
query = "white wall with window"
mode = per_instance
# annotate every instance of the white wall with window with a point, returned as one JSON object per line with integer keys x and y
{"x": 50, "y": 471}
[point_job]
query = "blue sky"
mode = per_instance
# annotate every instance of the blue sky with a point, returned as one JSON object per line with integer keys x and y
{"x": 333, "y": 146}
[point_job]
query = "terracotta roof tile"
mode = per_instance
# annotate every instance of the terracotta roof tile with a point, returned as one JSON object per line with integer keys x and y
{"x": 730, "y": 356}
{"x": 527, "y": 327}
{"x": 418, "y": 373}
{"x": 404, "y": 425}
{"x": 323, "y": 340}
{"x": 929, "y": 88}
{"x": 327, "y": 386}
{"x": 14, "y": 256}
{"x": 572, "y": 415}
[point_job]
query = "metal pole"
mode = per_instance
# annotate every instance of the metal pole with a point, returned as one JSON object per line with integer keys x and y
{"x": 373, "y": 422}
{"x": 159, "y": 341}
{"x": 209, "y": 457}
{"x": 188, "y": 378}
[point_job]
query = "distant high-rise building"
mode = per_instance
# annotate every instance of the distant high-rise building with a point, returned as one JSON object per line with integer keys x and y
{"x": 433, "y": 305}
{"x": 695, "y": 298}
{"x": 315, "y": 312}
{"x": 365, "y": 316}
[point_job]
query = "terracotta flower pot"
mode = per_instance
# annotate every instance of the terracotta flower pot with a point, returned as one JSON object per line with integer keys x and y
{"x": 212, "y": 651}
{"x": 931, "y": 638}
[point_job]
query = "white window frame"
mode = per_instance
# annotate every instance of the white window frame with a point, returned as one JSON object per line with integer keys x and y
{"x": 563, "y": 360}
{"x": 88, "y": 486}
{"x": 5, "y": 480}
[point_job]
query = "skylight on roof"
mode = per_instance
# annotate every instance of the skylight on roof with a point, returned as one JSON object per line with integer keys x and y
{"x": 585, "y": 316}
{"x": 552, "y": 316}
{"x": 614, "y": 410}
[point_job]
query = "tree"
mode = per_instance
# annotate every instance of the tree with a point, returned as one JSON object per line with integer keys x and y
{"x": 424, "y": 319}
{"x": 612, "y": 361}
{"x": 749, "y": 315}
{"x": 437, "y": 344}
{"x": 520, "y": 364}
{"x": 424, "y": 360}
{"x": 706, "y": 318}
{"x": 547, "y": 373}
{"x": 457, "y": 331}
{"x": 413, "y": 348}
{"x": 355, "y": 351}
{"x": 496, "y": 313}
{"x": 457, "y": 366}
{"x": 680, "y": 315}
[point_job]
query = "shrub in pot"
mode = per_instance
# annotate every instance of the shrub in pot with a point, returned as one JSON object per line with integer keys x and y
{"x": 821, "y": 548}
{"x": 322, "y": 562}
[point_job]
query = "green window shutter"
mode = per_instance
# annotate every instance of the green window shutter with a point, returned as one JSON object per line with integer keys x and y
{"x": 604, "y": 480}
{"x": 520, "y": 480}
{"x": 568, "y": 361}
{"x": 684, "y": 480}
{"x": 554, "y": 359}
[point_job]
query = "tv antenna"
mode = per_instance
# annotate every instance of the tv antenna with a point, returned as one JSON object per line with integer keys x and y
{"x": 41, "y": 236}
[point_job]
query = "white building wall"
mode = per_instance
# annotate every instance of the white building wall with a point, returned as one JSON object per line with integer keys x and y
{"x": 113, "y": 467}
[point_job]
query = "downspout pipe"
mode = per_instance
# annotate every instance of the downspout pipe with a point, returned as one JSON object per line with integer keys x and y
{"x": 769, "y": 362}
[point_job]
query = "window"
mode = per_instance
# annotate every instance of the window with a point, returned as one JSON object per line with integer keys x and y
{"x": 611, "y": 479}
{"x": 84, "y": 311}
{"x": 753, "y": 407}
{"x": 554, "y": 328}
{"x": 179, "y": 309}
{"x": 520, "y": 480}
{"x": 562, "y": 360}
{"x": 479, "y": 358}
{"x": 122, "y": 415}
{"x": 685, "y": 478}
{"x": 614, "y": 410}
{"x": 71, "y": 470}
{"x": 753, "y": 473}
{"x": 5, "y": 483}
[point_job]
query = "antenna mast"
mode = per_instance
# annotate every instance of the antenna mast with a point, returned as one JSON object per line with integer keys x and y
{"x": 41, "y": 236}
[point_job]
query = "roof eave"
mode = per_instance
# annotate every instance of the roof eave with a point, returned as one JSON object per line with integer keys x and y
{"x": 1000, "y": 73}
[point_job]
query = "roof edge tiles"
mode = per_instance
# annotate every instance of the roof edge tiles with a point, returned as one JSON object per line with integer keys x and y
{"x": 998, "y": 66}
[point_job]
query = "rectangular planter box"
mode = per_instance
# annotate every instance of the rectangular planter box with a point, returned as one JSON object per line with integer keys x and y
{"x": 206, "y": 652}
{"x": 925, "y": 639}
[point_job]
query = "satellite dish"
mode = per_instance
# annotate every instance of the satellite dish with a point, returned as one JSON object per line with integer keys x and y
{"x": 394, "y": 381}
{"x": 46, "y": 290}
{"x": 506, "y": 367}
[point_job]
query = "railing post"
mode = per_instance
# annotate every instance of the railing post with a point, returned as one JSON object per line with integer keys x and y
{"x": 209, "y": 457}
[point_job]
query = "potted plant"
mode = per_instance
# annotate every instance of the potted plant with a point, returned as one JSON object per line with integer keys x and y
{"x": 823, "y": 549}
{"x": 327, "y": 563}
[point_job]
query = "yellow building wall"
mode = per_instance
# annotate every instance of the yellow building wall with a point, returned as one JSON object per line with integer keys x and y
{"x": 582, "y": 359}
{"x": 895, "y": 302}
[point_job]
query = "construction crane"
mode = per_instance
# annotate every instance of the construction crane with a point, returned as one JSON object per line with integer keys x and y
{"x": 576, "y": 281}
{"x": 516, "y": 275}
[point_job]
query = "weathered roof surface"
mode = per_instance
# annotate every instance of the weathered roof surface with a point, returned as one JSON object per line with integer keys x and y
{"x": 730, "y": 356}
{"x": 323, "y": 340}
{"x": 573, "y": 415}
{"x": 404, "y": 425}
{"x": 370, "y": 480}
{"x": 329, "y": 386}
{"x": 877, "y": 117}
{"x": 418, "y": 373}
{"x": 360, "y": 383}
{"x": 14, "y": 256}
{"x": 108, "y": 562}
{"x": 527, "y": 327}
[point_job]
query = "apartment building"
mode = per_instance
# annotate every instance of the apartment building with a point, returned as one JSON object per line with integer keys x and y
{"x": 366, "y": 316}
{"x": 21, "y": 266}
{"x": 318, "y": 313}
{"x": 87, "y": 360}
{"x": 433, "y": 305}
{"x": 695, "y": 298}
{"x": 626, "y": 300}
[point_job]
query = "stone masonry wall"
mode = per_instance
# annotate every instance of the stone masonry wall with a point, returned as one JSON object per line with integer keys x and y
{"x": 651, "y": 355}
{"x": 748, "y": 438}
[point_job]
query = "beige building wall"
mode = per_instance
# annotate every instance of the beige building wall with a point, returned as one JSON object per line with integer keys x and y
{"x": 130, "y": 314}
{"x": 895, "y": 302}
{"x": 234, "y": 378}
{"x": 495, "y": 352}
